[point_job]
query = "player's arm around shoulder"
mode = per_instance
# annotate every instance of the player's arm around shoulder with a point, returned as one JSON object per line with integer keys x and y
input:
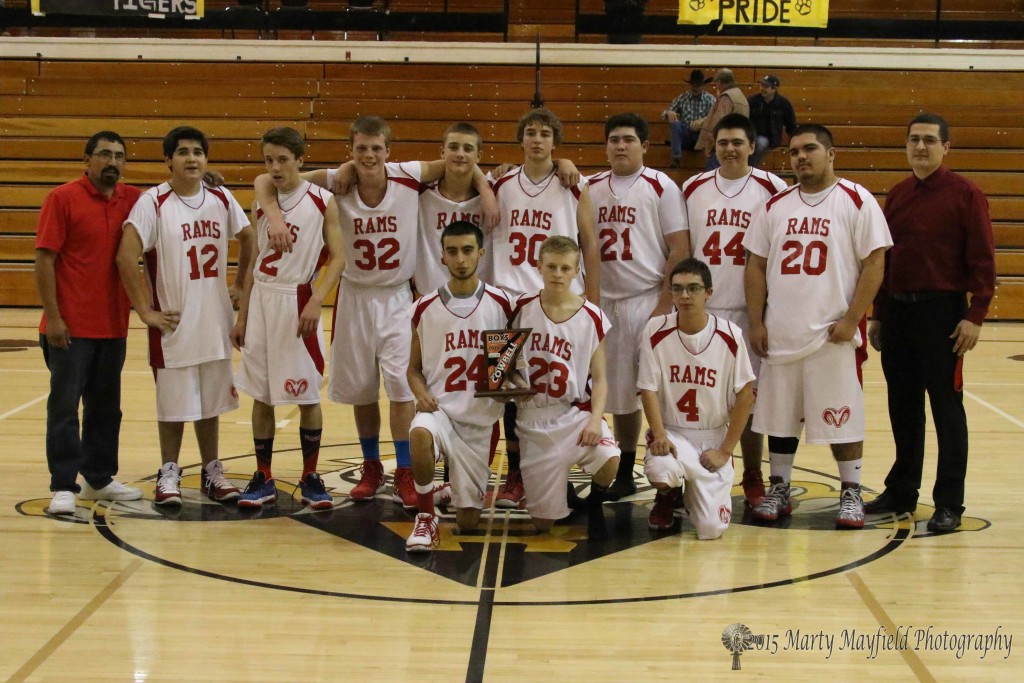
{"x": 425, "y": 401}
{"x": 588, "y": 247}
{"x": 241, "y": 291}
{"x": 312, "y": 312}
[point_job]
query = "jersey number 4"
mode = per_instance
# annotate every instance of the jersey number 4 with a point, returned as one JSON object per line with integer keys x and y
{"x": 687, "y": 405}
{"x": 208, "y": 254}
{"x": 734, "y": 248}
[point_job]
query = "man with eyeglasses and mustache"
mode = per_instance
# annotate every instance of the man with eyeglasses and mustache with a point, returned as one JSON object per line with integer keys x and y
{"x": 942, "y": 249}
{"x": 84, "y": 328}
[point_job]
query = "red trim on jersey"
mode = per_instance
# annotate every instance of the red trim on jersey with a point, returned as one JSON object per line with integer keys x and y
{"x": 600, "y": 178}
{"x": 575, "y": 191}
{"x": 729, "y": 340}
{"x": 695, "y": 184}
{"x": 407, "y": 182}
{"x": 521, "y": 303}
{"x": 161, "y": 198}
{"x": 219, "y": 194}
{"x": 658, "y": 188}
{"x": 506, "y": 307}
{"x": 321, "y": 205}
{"x": 765, "y": 183}
{"x": 595, "y": 315}
{"x": 259, "y": 213}
{"x": 780, "y": 195}
{"x": 334, "y": 313}
{"x": 421, "y": 306}
{"x": 303, "y": 294}
{"x": 661, "y": 335}
{"x": 861, "y": 354}
{"x": 504, "y": 179}
{"x": 852, "y": 192}
{"x": 156, "y": 348}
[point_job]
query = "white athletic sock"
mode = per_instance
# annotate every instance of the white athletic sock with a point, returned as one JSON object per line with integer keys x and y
{"x": 425, "y": 488}
{"x": 782, "y": 465}
{"x": 849, "y": 471}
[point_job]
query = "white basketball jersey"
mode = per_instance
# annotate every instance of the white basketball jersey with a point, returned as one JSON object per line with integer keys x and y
{"x": 451, "y": 348}
{"x": 303, "y": 209}
{"x": 436, "y": 212}
{"x": 719, "y": 212}
{"x": 696, "y": 377}
{"x": 814, "y": 244}
{"x": 529, "y": 215}
{"x": 559, "y": 354}
{"x": 631, "y": 230}
{"x": 186, "y": 253}
{"x": 380, "y": 242}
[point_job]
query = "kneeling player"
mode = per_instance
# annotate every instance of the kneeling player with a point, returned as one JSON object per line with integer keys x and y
{"x": 696, "y": 386}
{"x": 446, "y": 366}
{"x": 279, "y": 328}
{"x": 563, "y": 424}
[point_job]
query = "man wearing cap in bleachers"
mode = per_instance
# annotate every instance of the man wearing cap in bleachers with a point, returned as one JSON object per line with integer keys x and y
{"x": 685, "y": 115}
{"x": 730, "y": 100}
{"x": 771, "y": 113}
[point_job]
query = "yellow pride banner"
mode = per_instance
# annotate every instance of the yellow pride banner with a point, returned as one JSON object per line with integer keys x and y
{"x": 805, "y": 13}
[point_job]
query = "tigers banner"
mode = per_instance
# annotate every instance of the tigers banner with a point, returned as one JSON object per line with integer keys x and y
{"x": 804, "y": 13}
{"x": 159, "y": 9}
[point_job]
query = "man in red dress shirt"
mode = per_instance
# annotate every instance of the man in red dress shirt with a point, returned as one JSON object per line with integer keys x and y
{"x": 943, "y": 251}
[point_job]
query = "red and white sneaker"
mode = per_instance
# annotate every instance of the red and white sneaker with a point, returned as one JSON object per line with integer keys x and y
{"x": 443, "y": 494}
{"x": 216, "y": 485}
{"x": 851, "y": 508}
{"x": 753, "y": 488}
{"x": 168, "y": 485}
{"x": 511, "y": 493}
{"x": 371, "y": 483}
{"x": 404, "y": 488}
{"x": 424, "y": 536}
{"x": 776, "y": 503}
{"x": 662, "y": 517}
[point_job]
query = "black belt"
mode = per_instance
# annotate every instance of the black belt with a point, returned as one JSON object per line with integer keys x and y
{"x": 918, "y": 297}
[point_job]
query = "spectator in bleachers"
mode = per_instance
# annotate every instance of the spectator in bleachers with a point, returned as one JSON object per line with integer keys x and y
{"x": 771, "y": 114}
{"x": 686, "y": 114}
{"x": 730, "y": 100}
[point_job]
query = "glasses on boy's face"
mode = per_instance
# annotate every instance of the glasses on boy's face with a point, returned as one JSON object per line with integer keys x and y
{"x": 692, "y": 289}
{"x": 107, "y": 155}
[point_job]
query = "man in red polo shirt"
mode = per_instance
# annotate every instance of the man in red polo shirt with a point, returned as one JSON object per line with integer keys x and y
{"x": 942, "y": 251}
{"x": 85, "y": 325}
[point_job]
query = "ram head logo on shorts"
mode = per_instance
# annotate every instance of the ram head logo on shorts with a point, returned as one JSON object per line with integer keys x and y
{"x": 836, "y": 417}
{"x": 296, "y": 387}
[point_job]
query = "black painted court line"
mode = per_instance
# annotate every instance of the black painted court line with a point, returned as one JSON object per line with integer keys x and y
{"x": 482, "y": 630}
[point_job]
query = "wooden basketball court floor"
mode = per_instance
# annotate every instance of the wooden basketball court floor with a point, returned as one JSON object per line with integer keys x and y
{"x": 125, "y": 592}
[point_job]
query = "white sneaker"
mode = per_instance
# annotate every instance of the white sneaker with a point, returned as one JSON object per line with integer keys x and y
{"x": 168, "y": 485}
{"x": 443, "y": 494}
{"x": 63, "y": 503}
{"x": 115, "y": 490}
{"x": 424, "y": 534}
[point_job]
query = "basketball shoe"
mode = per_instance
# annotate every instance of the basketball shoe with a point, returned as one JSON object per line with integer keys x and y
{"x": 851, "y": 508}
{"x": 511, "y": 494}
{"x": 314, "y": 493}
{"x": 216, "y": 485}
{"x": 371, "y": 483}
{"x": 62, "y": 503}
{"x": 168, "y": 485}
{"x": 753, "y": 488}
{"x": 404, "y": 488}
{"x": 662, "y": 517}
{"x": 776, "y": 502}
{"x": 115, "y": 490}
{"x": 443, "y": 494}
{"x": 259, "y": 491}
{"x": 424, "y": 536}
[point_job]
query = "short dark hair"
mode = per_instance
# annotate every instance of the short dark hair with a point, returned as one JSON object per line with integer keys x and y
{"x": 370, "y": 126}
{"x": 286, "y": 137}
{"x": 108, "y": 135}
{"x": 734, "y": 120}
{"x": 627, "y": 120}
{"x": 465, "y": 129}
{"x": 693, "y": 266}
{"x": 823, "y": 134}
{"x": 180, "y": 133}
{"x": 460, "y": 228}
{"x": 926, "y": 117}
{"x": 543, "y": 116}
